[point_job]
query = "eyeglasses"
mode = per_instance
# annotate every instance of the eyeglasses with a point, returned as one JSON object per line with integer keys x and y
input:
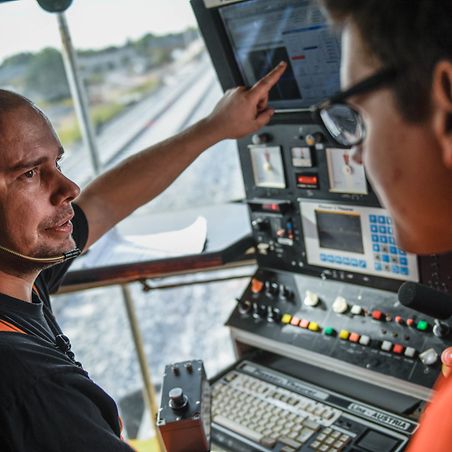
{"x": 344, "y": 123}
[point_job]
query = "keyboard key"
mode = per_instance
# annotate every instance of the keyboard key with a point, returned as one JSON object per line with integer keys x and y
{"x": 238, "y": 428}
{"x": 290, "y": 442}
{"x": 308, "y": 423}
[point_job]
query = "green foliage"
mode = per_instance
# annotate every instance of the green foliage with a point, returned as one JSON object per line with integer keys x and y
{"x": 46, "y": 76}
{"x": 18, "y": 59}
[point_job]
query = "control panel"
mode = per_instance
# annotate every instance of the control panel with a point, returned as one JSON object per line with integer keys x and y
{"x": 313, "y": 211}
{"x": 347, "y": 328}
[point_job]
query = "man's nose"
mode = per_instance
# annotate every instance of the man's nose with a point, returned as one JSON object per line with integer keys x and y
{"x": 65, "y": 190}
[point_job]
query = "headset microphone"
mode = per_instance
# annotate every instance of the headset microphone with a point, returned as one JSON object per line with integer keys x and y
{"x": 46, "y": 260}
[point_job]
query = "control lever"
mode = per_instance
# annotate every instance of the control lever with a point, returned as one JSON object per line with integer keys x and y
{"x": 426, "y": 300}
{"x": 184, "y": 414}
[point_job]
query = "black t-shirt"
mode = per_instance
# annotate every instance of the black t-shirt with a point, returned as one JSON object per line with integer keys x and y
{"x": 48, "y": 403}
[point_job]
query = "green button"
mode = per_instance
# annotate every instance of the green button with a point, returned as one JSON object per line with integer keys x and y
{"x": 422, "y": 325}
{"x": 329, "y": 331}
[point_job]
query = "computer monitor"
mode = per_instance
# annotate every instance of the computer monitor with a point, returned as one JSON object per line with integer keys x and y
{"x": 261, "y": 33}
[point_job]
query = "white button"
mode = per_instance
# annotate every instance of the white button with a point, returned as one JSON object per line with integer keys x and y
{"x": 356, "y": 309}
{"x": 364, "y": 340}
{"x": 410, "y": 352}
{"x": 340, "y": 305}
{"x": 386, "y": 346}
{"x": 429, "y": 357}
{"x": 311, "y": 298}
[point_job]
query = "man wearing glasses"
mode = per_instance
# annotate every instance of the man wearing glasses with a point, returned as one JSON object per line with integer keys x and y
{"x": 396, "y": 111}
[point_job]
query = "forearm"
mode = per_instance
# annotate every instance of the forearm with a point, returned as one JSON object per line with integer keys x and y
{"x": 143, "y": 176}
{"x": 140, "y": 178}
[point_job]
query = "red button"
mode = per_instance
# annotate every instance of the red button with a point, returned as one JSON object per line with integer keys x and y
{"x": 354, "y": 337}
{"x": 377, "y": 315}
{"x": 410, "y": 322}
{"x": 398, "y": 348}
{"x": 398, "y": 320}
{"x": 295, "y": 321}
{"x": 256, "y": 285}
{"x": 304, "y": 323}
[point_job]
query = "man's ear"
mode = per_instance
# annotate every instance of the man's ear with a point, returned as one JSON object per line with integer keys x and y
{"x": 442, "y": 108}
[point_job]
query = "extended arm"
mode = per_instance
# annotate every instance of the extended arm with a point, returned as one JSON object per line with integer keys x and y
{"x": 140, "y": 178}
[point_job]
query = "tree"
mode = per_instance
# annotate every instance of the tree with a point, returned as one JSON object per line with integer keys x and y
{"x": 46, "y": 76}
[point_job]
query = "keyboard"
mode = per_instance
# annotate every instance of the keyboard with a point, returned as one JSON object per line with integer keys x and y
{"x": 257, "y": 409}
{"x": 267, "y": 414}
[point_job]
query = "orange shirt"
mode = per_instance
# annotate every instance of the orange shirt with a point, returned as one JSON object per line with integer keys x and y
{"x": 435, "y": 431}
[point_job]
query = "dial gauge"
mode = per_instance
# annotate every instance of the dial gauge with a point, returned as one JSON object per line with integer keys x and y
{"x": 344, "y": 174}
{"x": 268, "y": 167}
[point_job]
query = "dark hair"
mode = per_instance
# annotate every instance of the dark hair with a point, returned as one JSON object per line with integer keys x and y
{"x": 409, "y": 35}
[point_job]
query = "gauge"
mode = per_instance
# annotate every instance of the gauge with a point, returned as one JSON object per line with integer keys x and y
{"x": 301, "y": 157}
{"x": 268, "y": 167}
{"x": 345, "y": 175}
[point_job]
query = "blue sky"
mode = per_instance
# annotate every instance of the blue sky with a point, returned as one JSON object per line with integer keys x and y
{"x": 93, "y": 23}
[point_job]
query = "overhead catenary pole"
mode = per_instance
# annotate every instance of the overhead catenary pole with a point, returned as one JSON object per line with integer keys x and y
{"x": 78, "y": 93}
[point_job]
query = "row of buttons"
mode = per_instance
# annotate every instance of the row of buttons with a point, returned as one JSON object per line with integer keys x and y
{"x": 380, "y": 229}
{"x": 398, "y": 349}
{"x": 380, "y": 219}
{"x": 391, "y": 249}
{"x": 340, "y": 306}
{"x": 302, "y": 323}
{"x": 386, "y": 346}
{"x": 386, "y": 239}
{"x": 364, "y": 340}
{"x": 361, "y": 263}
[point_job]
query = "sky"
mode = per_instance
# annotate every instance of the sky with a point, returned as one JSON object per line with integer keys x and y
{"x": 93, "y": 24}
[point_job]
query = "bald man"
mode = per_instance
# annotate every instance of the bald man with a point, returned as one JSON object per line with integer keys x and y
{"x": 47, "y": 401}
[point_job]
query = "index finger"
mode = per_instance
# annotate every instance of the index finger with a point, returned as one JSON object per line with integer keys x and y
{"x": 266, "y": 83}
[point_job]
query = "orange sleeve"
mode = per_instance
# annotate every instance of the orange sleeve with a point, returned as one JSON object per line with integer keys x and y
{"x": 435, "y": 431}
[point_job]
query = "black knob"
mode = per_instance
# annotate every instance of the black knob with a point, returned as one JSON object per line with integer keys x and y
{"x": 440, "y": 329}
{"x": 178, "y": 400}
{"x": 259, "y": 311}
{"x": 285, "y": 292}
{"x": 273, "y": 314}
{"x": 271, "y": 288}
{"x": 244, "y": 307}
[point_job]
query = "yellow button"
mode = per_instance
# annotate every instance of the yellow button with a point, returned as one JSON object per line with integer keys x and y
{"x": 313, "y": 326}
{"x": 286, "y": 318}
{"x": 343, "y": 334}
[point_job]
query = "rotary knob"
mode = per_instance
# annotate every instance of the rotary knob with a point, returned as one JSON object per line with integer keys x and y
{"x": 178, "y": 400}
{"x": 340, "y": 305}
{"x": 311, "y": 299}
{"x": 261, "y": 138}
{"x": 441, "y": 329}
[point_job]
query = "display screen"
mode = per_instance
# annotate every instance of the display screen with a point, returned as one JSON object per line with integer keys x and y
{"x": 264, "y": 32}
{"x": 340, "y": 231}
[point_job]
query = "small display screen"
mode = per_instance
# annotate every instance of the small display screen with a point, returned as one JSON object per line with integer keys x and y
{"x": 264, "y": 32}
{"x": 340, "y": 231}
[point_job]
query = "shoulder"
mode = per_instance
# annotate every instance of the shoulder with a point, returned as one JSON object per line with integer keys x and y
{"x": 435, "y": 430}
